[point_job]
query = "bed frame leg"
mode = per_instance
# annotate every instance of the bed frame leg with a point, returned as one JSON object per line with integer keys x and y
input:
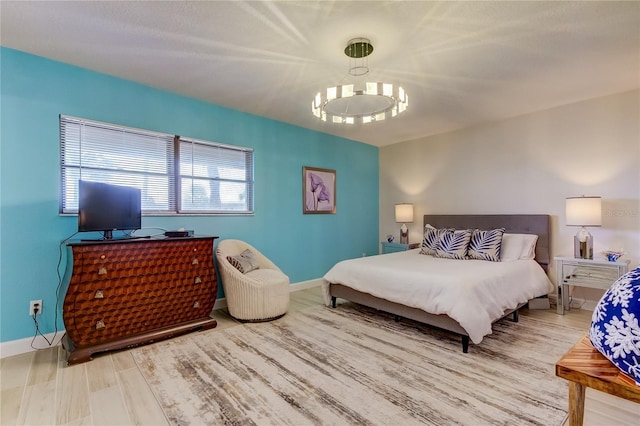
{"x": 333, "y": 301}
{"x": 516, "y": 317}
{"x": 465, "y": 344}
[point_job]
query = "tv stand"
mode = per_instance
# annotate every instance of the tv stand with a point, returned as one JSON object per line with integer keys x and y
{"x": 124, "y": 293}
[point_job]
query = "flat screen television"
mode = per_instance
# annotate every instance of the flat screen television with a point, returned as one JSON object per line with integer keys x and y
{"x": 103, "y": 207}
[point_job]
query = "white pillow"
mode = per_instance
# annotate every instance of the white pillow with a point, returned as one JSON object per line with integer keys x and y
{"x": 518, "y": 247}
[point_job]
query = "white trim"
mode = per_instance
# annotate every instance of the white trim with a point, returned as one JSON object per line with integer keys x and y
{"x": 304, "y": 285}
{"x": 22, "y": 346}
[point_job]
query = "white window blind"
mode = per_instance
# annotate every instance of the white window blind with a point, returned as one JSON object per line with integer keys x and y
{"x": 215, "y": 178}
{"x": 210, "y": 178}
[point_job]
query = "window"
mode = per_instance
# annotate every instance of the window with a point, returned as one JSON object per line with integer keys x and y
{"x": 215, "y": 178}
{"x": 175, "y": 175}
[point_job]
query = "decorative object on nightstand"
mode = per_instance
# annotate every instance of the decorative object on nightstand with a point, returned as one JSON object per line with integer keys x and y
{"x": 613, "y": 256}
{"x": 583, "y": 211}
{"x": 599, "y": 273}
{"x": 404, "y": 215}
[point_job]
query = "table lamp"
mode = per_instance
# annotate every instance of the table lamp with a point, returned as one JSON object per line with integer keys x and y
{"x": 404, "y": 214}
{"x": 583, "y": 211}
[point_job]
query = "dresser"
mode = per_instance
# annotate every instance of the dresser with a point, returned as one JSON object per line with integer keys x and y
{"x": 592, "y": 273}
{"x": 124, "y": 293}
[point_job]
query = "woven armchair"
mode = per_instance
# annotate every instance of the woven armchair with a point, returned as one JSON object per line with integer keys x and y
{"x": 258, "y": 295}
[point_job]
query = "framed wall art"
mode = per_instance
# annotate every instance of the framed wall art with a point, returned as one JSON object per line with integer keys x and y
{"x": 318, "y": 191}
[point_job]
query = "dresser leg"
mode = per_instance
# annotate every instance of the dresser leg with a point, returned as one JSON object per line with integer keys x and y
{"x": 75, "y": 355}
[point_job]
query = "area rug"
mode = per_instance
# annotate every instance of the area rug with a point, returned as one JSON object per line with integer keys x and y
{"x": 354, "y": 365}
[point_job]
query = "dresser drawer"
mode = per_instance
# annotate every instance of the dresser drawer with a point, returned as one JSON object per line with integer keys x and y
{"x": 109, "y": 312}
{"x": 118, "y": 260}
{"x": 105, "y": 288}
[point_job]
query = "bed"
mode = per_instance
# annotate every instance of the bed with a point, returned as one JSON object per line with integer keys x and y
{"x": 466, "y": 302}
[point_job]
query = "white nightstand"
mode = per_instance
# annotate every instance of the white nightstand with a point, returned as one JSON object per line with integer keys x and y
{"x": 596, "y": 273}
{"x": 395, "y": 247}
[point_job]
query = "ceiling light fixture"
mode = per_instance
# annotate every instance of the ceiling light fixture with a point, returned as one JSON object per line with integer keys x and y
{"x": 353, "y": 103}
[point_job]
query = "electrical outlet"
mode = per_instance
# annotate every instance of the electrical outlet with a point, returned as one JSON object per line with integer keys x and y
{"x": 32, "y": 306}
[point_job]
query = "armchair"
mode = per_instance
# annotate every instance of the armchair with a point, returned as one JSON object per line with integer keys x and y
{"x": 258, "y": 295}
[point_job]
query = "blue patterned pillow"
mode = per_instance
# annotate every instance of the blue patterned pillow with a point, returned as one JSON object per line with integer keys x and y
{"x": 486, "y": 245}
{"x": 431, "y": 238}
{"x": 453, "y": 244}
{"x": 615, "y": 331}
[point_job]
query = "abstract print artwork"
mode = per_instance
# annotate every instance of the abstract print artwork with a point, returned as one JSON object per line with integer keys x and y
{"x": 318, "y": 190}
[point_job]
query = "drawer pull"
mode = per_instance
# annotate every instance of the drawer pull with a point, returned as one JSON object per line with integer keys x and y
{"x": 103, "y": 257}
{"x": 99, "y": 295}
{"x": 194, "y": 261}
{"x": 99, "y": 325}
{"x": 197, "y": 280}
{"x": 102, "y": 271}
{"x": 196, "y": 304}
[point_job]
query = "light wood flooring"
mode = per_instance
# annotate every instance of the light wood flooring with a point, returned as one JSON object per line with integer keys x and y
{"x": 38, "y": 388}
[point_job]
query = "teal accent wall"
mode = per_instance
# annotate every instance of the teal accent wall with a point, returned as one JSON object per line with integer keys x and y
{"x": 35, "y": 91}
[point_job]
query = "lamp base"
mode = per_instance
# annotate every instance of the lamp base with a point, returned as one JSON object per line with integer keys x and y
{"x": 583, "y": 245}
{"x": 404, "y": 234}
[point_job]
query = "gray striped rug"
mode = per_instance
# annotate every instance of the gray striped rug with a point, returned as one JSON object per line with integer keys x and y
{"x": 353, "y": 365}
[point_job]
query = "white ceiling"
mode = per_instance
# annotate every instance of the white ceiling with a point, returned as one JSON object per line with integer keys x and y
{"x": 461, "y": 63}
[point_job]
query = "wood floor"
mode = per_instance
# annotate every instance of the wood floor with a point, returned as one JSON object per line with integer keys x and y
{"x": 38, "y": 388}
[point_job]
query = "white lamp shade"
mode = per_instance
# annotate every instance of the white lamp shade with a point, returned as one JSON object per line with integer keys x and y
{"x": 584, "y": 211}
{"x": 404, "y": 213}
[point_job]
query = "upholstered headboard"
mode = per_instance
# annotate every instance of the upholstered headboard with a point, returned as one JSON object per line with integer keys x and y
{"x": 538, "y": 224}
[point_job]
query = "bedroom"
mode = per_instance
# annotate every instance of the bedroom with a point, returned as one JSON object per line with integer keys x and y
{"x": 529, "y": 164}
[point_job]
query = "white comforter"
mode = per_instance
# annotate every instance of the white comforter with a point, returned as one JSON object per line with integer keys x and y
{"x": 473, "y": 292}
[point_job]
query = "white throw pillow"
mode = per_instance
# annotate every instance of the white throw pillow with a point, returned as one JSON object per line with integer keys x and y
{"x": 518, "y": 247}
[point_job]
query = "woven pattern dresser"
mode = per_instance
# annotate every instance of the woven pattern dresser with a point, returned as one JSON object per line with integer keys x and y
{"x": 128, "y": 292}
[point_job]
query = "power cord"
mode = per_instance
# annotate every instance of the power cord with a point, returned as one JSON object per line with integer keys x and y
{"x": 36, "y": 309}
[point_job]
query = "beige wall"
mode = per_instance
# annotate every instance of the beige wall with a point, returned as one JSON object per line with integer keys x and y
{"x": 528, "y": 164}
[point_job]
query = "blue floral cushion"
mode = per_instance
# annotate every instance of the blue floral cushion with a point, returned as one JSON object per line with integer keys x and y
{"x": 485, "y": 245}
{"x": 615, "y": 331}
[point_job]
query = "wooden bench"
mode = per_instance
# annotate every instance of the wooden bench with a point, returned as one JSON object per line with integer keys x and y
{"x": 583, "y": 366}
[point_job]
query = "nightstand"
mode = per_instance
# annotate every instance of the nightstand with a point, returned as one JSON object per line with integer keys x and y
{"x": 592, "y": 273}
{"x": 396, "y": 247}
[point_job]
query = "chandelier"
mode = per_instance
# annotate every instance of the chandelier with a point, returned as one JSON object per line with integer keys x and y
{"x": 353, "y": 103}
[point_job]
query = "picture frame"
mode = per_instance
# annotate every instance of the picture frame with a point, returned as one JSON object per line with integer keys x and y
{"x": 318, "y": 190}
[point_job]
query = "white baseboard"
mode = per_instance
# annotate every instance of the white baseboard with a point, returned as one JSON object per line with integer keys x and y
{"x": 306, "y": 284}
{"x": 22, "y": 346}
